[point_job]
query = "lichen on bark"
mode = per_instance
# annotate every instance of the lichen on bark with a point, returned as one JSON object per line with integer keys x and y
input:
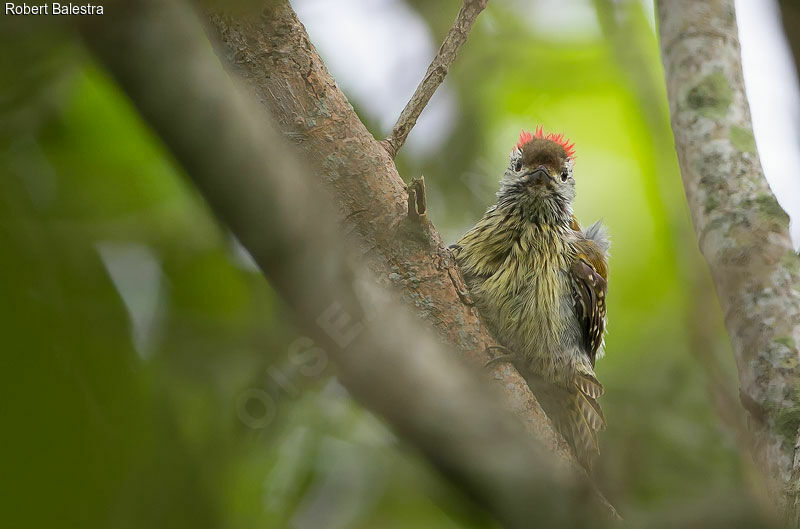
{"x": 742, "y": 231}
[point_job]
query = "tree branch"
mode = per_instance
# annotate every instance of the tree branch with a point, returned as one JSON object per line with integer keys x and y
{"x": 241, "y": 165}
{"x": 273, "y": 54}
{"x": 742, "y": 231}
{"x": 435, "y": 75}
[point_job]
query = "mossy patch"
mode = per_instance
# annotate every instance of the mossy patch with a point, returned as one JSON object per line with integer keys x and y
{"x": 769, "y": 207}
{"x": 791, "y": 261}
{"x": 742, "y": 139}
{"x": 787, "y": 422}
{"x": 712, "y": 201}
{"x": 788, "y": 341}
{"x": 712, "y": 96}
{"x": 715, "y": 224}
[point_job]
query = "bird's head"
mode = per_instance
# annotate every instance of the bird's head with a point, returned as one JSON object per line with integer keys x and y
{"x": 539, "y": 176}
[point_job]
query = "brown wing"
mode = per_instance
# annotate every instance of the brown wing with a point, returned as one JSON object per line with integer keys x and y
{"x": 588, "y": 247}
{"x": 589, "y": 292}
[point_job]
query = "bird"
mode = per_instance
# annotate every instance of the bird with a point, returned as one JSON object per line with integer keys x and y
{"x": 539, "y": 281}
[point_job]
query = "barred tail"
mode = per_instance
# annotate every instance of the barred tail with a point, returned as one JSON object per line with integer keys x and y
{"x": 584, "y": 419}
{"x": 579, "y": 418}
{"x": 574, "y": 412}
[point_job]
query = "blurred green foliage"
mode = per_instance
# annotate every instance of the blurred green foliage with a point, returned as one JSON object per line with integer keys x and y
{"x": 172, "y": 399}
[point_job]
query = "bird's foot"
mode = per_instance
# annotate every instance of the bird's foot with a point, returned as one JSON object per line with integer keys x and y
{"x": 506, "y": 356}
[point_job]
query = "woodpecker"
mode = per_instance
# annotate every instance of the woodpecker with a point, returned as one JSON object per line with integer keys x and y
{"x": 539, "y": 282}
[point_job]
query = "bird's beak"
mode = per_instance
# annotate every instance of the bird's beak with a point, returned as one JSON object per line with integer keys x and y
{"x": 539, "y": 176}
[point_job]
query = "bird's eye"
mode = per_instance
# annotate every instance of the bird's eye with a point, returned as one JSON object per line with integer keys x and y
{"x": 518, "y": 165}
{"x": 564, "y": 175}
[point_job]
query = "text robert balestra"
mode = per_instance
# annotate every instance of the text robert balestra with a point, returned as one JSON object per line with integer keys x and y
{"x": 52, "y": 8}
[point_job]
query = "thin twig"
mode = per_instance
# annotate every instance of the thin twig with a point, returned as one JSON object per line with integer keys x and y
{"x": 435, "y": 75}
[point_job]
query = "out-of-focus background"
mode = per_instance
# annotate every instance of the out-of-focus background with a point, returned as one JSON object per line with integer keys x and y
{"x": 151, "y": 377}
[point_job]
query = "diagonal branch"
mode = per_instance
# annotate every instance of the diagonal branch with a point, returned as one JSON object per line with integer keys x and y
{"x": 273, "y": 54}
{"x": 241, "y": 165}
{"x": 435, "y": 75}
{"x": 742, "y": 231}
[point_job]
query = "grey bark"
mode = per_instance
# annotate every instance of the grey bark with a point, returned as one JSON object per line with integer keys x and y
{"x": 742, "y": 231}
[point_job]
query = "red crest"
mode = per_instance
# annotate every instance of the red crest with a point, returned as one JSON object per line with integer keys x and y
{"x": 525, "y": 137}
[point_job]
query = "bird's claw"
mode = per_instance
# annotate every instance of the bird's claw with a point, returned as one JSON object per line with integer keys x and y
{"x": 507, "y": 356}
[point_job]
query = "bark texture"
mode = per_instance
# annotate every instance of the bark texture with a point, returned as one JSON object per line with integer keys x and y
{"x": 742, "y": 231}
{"x": 271, "y": 51}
